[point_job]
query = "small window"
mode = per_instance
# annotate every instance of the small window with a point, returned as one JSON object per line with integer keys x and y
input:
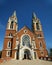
{"x": 40, "y": 44}
{"x": 39, "y": 35}
{"x": 25, "y": 31}
{"x": 9, "y": 44}
{"x": 8, "y": 53}
{"x": 10, "y": 34}
{"x": 42, "y": 53}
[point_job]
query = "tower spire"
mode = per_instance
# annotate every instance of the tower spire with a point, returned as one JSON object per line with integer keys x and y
{"x": 33, "y": 15}
{"x": 14, "y": 14}
{"x": 12, "y": 22}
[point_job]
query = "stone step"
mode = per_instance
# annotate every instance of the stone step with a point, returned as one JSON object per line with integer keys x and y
{"x": 27, "y": 62}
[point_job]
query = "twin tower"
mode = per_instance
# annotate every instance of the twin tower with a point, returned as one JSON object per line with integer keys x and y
{"x": 25, "y": 43}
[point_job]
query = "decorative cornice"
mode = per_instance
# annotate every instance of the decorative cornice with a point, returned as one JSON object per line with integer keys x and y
{"x": 8, "y": 36}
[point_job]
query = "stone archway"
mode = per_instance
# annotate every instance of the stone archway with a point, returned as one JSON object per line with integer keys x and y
{"x": 27, "y": 54}
{"x": 26, "y": 51}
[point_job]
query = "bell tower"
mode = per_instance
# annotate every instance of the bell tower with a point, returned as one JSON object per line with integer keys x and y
{"x": 12, "y": 28}
{"x": 36, "y": 25}
{"x": 12, "y": 22}
{"x": 37, "y": 30}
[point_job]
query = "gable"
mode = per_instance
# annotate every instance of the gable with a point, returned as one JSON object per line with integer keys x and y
{"x": 25, "y": 30}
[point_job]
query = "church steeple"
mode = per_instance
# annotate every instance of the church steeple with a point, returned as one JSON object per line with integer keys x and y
{"x": 33, "y": 15}
{"x": 36, "y": 25}
{"x": 14, "y": 14}
{"x": 12, "y": 22}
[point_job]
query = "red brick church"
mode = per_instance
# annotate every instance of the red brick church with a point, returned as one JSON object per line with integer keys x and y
{"x": 25, "y": 43}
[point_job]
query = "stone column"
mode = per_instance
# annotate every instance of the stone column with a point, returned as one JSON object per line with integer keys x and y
{"x": 20, "y": 55}
{"x": 15, "y": 55}
{"x": 32, "y": 53}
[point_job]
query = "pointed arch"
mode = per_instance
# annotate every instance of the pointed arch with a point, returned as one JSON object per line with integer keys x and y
{"x": 10, "y": 34}
{"x": 25, "y": 40}
{"x": 37, "y": 26}
{"x": 11, "y": 25}
{"x": 9, "y": 44}
{"x": 40, "y": 44}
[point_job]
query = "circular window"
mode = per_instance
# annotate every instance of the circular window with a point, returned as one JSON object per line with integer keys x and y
{"x": 25, "y": 31}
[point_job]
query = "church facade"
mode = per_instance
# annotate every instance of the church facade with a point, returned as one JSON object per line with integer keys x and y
{"x": 25, "y": 43}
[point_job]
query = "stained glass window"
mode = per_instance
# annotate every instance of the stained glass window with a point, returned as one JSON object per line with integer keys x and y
{"x": 26, "y": 40}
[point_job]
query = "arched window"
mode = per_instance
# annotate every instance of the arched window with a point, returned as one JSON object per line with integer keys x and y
{"x": 40, "y": 44}
{"x": 33, "y": 44}
{"x": 11, "y": 25}
{"x": 37, "y": 26}
{"x": 10, "y": 34}
{"x": 8, "y": 53}
{"x": 42, "y": 53}
{"x": 9, "y": 44}
{"x": 39, "y": 35}
{"x": 26, "y": 40}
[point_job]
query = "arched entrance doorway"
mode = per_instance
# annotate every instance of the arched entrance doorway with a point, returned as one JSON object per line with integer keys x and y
{"x": 27, "y": 54}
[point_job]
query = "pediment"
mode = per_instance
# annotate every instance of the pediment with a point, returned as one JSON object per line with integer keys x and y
{"x": 25, "y": 30}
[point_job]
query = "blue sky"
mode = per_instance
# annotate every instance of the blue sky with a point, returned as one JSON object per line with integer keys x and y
{"x": 24, "y": 9}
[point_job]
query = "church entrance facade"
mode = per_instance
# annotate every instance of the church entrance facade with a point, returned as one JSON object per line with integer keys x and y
{"x": 27, "y": 54}
{"x": 25, "y": 49}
